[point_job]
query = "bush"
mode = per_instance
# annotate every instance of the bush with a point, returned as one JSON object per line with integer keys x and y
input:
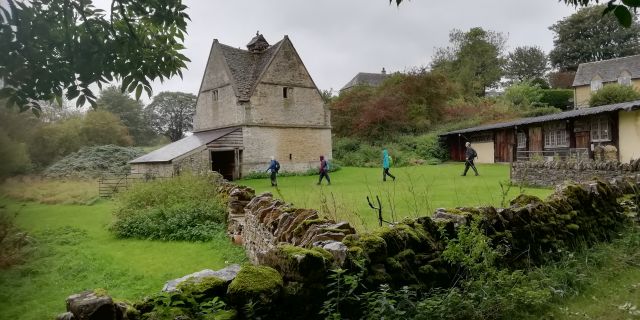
{"x": 186, "y": 207}
{"x": 559, "y": 98}
{"x": 540, "y": 111}
{"x": 613, "y": 93}
{"x": 522, "y": 94}
{"x": 13, "y": 242}
{"x": 14, "y": 158}
{"x": 92, "y": 162}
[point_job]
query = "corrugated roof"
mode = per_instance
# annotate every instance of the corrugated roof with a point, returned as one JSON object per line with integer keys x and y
{"x": 246, "y": 67}
{"x": 364, "y": 78}
{"x": 182, "y": 146}
{"x": 608, "y": 70}
{"x": 627, "y": 106}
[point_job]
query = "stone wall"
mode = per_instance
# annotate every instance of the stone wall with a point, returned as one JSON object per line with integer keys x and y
{"x": 552, "y": 173}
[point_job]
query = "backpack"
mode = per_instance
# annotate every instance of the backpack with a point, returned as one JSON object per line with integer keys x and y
{"x": 277, "y": 166}
{"x": 390, "y": 161}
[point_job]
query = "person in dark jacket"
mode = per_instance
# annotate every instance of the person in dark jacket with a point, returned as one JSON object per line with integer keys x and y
{"x": 469, "y": 154}
{"x": 274, "y": 167}
{"x": 324, "y": 170}
{"x": 386, "y": 163}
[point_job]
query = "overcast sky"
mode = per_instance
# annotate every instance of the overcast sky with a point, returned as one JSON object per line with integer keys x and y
{"x": 338, "y": 38}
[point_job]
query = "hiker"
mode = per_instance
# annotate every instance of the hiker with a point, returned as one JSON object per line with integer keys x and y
{"x": 469, "y": 154}
{"x": 274, "y": 167}
{"x": 386, "y": 163}
{"x": 324, "y": 170}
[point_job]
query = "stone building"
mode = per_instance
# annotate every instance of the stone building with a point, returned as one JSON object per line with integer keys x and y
{"x": 252, "y": 104}
{"x": 592, "y": 76}
{"x": 366, "y": 79}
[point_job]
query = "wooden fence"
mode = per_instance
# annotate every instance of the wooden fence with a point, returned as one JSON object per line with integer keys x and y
{"x": 109, "y": 185}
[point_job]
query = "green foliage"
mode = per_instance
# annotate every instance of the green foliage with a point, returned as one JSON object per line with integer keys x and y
{"x": 526, "y": 63}
{"x": 613, "y": 93}
{"x": 588, "y": 36}
{"x": 341, "y": 293}
{"x": 522, "y": 94}
{"x": 93, "y": 162}
{"x": 540, "y": 111}
{"x": 185, "y": 207}
{"x": 53, "y": 47}
{"x": 559, "y": 98}
{"x": 473, "y": 61}
{"x": 130, "y": 113}
{"x": 405, "y": 103}
{"x": 14, "y": 243}
{"x": 258, "y": 287}
{"x": 171, "y": 114}
{"x": 14, "y": 156}
{"x": 51, "y": 141}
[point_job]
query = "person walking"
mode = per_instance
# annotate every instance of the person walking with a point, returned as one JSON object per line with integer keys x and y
{"x": 274, "y": 167}
{"x": 386, "y": 163}
{"x": 324, "y": 170}
{"x": 469, "y": 154}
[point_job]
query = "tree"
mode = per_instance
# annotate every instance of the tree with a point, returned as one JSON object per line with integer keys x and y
{"x": 130, "y": 112}
{"x": 621, "y": 9}
{"x": 56, "y": 47}
{"x": 526, "y": 63}
{"x": 101, "y": 127}
{"x": 474, "y": 59}
{"x": 613, "y": 93}
{"x": 587, "y": 36}
{"x": 171, "y": 113}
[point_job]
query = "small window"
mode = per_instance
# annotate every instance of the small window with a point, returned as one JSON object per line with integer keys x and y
{"x": 600, "y": 130}
{"x": 290, "y": 156}
{"x": 215, "y": 95}
{"x": 555, "y": 135}
{"x": 286, "y": 92}
{"x": 522, "y": 140}
{"x": 625, "y": 78}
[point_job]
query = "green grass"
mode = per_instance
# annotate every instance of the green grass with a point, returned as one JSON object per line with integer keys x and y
{"x": 417, "y": 191}
{"x": 73, "y": 251}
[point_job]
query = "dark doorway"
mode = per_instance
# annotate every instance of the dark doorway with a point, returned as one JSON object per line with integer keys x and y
{"x": 224, "y": 163}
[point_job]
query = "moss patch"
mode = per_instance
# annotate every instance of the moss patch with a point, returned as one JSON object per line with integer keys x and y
{"x": 257, "y": 284}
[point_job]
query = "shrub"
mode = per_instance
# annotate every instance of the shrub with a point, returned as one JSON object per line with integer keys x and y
{"x": 428, "y": 147}
{"x": 14, "y": 158}
{"x": 522, "y": 94}
{"x": 613, "y": 93}
{"x": 13, "y": 242}
{"x": 559, "y": 98}
{"x": 186, "y": 207}
{"x": 92, "y": 162}
{"x": 540, "y": 111}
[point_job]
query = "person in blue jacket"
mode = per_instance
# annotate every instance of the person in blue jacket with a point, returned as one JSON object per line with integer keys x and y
{"x": 386, "y": 163}
{"x": 274, "y": 167}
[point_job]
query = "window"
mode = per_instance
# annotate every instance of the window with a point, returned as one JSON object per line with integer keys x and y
{"x": 600, "y": 130}
{"x": 286, "y": 92}
{"x": 522, "y": 140}
{"x": 214, "y": 94}
{"x": 596, "y": 84}
{"x": 625, "y": 78}
{"x": 555, "y": 135}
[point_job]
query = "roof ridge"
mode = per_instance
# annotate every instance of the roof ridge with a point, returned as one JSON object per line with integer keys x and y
{"x": 617, "y": 58}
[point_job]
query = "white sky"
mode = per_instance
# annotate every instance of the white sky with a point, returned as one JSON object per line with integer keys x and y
{"x": 338, "y": 38}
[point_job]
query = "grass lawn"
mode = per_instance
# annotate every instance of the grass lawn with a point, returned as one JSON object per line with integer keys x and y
{"x": 417, "y": 191}
{"x": 74, "y": 251}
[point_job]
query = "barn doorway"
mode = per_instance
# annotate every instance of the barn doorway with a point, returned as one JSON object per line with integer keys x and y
{"x": 227, "y": 163}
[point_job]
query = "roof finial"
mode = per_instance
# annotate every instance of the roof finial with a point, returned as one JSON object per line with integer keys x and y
{"x": 384, "y": 71}
{"x": 258, "y": 33}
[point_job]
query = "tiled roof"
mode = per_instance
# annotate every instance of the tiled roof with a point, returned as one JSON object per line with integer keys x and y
{"x": 364, "y": 78}
{"x": 608, "y": 70}
{"x": 627, "y": 106}
{"x": 246, "y": 67}
{"x": 182, "y": 146}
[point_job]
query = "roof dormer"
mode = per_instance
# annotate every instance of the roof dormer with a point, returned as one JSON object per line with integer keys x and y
{"x": 257, "y": 44}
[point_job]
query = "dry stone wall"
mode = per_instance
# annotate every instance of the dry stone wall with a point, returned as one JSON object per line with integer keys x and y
{"x": 552, "y": 173}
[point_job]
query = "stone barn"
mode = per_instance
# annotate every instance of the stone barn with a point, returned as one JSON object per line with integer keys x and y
{"x": 252, "y": 104}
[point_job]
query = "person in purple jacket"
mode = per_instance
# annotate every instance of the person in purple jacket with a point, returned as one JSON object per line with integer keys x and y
{"x": 324, "y": 170}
